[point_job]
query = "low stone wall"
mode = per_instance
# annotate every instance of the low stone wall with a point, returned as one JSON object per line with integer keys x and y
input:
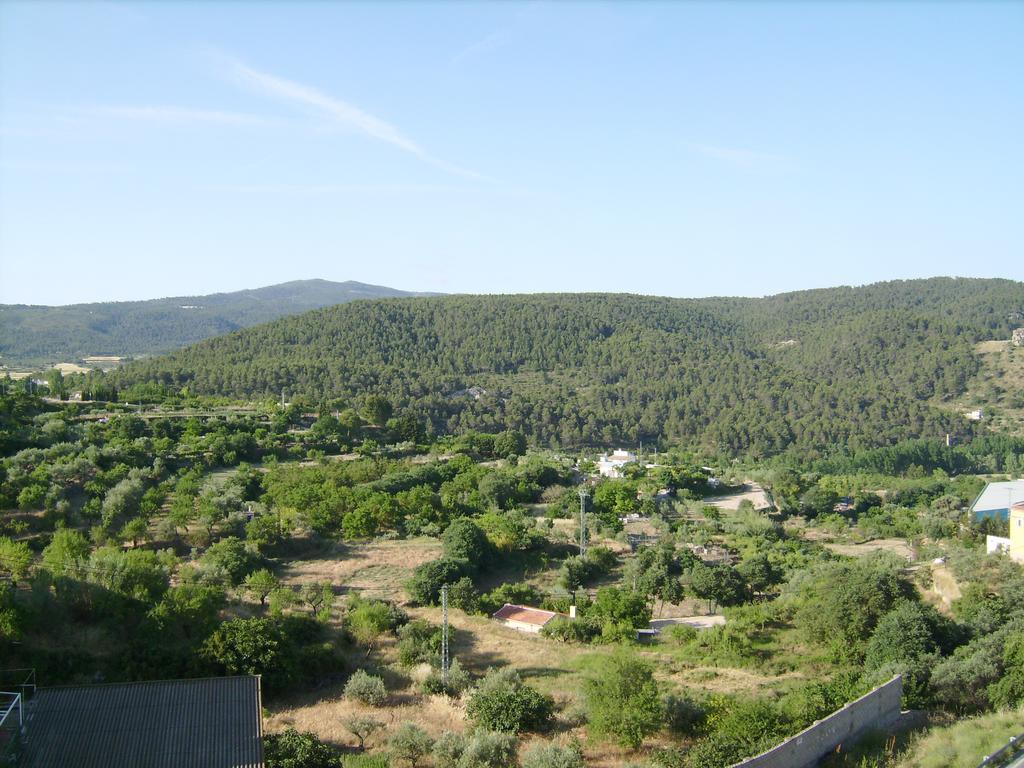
{"x": 878, "y": 709}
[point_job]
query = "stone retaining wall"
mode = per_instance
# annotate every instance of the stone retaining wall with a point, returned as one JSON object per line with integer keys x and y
{"x": 876, "y": 710}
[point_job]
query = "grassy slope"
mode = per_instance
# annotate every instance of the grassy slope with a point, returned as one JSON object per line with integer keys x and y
{"x": 964, "y": 744}
{"x": 998, "y": 388}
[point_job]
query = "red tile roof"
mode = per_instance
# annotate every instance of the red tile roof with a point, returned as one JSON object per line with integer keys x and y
{"x": 526, "y": 615}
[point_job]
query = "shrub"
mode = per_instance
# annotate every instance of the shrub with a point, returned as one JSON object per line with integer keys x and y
{"x": 569, "y": 631}
{"x": 489, "y": 750}
{"x": 419, "y": 643}
{"x": 366, "y": 688}
{"x": 681, "y": 634}
{"x": 517, "y": 594}
{"x": 682, "y": 715}
{"x": 228, "y": 559}
{"x": 458, "y": 681}
{"x": 483, "y": 749}
{"x": 410, "y": 744}
{"x": 463, "y": 595}
{"x": 623, "y": 701}
{"x": 503, "y": 702}
{"x": 424, "y": 587}
{"x": 293, "y": 749}
{"x": 368, "y": 619}
{"x": 553, "y": 756}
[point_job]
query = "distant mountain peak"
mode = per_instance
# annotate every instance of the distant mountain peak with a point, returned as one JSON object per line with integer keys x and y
{"x": 33, "y": 336}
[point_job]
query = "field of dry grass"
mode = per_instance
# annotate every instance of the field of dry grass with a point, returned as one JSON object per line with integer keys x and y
{"x": 898, "y": 547}
{"x": 380, "y": 568}
{"x": 376, "y": 569}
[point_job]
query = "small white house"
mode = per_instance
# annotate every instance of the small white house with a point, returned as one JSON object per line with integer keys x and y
{"x": 995, "y": 544}
{"x": 611, "y": 466}
{"x": 524, "y": 619}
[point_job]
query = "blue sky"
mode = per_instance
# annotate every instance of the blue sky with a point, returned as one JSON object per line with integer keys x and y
{"x": 684, "y": 149}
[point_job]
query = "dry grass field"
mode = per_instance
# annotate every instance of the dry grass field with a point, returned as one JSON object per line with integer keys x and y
{"x": 377, "y": 569}
{"x": 898, "y": 547}
{"x": 380, "y": 568}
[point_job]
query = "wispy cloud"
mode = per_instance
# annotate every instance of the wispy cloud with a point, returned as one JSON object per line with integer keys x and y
{"x": 342, "y": 113}
{"x": 173, "y": 114}
{"x": 487, "y": 43}
{"x": 330, "y": 189}
{"x": 744, "y": 158}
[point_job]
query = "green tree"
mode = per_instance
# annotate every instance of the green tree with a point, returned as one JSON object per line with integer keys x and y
{"x": 623, "y": 701}
{"x": 367, "y": 620}
{"x": 841, "y": 603}
{"x": 510, "y": 443}
{"x": 464, "y": 540}
{"x": 188, "y": 611}
{"x": 293, "y": 749}
{"x": 260, "y": 584}
{"x": 424, "y": 588}
{"x": 503, "y": 702}
{"x": 228, "y": 559}
{"x": 362, "y": 728}
{"x": 15, "y": 558}
{"x": 252, "y": 647}
{"x": 1008, "y": 691}
{"x": 720, "y": 584}
{"x": 481, "y": 749}
{"x": 377, "y": 410}
{"x": 135, "y": 530}
{"x": 905, "y": 640}
{"x": 318, "y": 597}
{"x": 66, "y": 553}
{"x": 410, "y": 744}
{"x": 759, "y": 572}
{"x": 419, "y": 643}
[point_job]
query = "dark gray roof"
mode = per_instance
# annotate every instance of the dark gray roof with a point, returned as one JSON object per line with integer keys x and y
{"x": 209, "y": 723}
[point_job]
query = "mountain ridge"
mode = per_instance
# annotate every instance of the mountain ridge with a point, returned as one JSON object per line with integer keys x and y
{"x": 864, "y": 367}
{"x": 34, "y": 333}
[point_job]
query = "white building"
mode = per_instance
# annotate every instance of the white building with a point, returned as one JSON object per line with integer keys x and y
{"x": 611, "y": 466}
{"x": 996, "y": 500}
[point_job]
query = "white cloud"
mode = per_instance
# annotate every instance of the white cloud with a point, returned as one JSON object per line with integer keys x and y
{"x": 342, "y": 113}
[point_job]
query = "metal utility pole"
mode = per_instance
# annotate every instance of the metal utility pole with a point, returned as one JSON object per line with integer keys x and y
{"x": 583, "y": 521}
{"x": 444, "y": 634}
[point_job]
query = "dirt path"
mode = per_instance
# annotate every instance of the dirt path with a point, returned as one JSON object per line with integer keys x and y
{"x": 751, "y": 492}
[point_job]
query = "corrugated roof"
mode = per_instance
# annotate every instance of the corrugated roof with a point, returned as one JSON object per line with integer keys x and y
{"x": 526, "y": 615}
{"x": 999, "y": 496}
{"x": 208, "y": 723}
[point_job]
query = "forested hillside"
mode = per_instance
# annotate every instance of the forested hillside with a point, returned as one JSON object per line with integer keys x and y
{"x": 31, "y": 335}
{"x": 809, "y": 371}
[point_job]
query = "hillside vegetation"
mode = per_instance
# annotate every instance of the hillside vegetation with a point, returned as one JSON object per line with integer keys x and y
{"x": 850, "y": 367}
{"x": 31, "y": 335}
{"x": 998, "y": 387}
